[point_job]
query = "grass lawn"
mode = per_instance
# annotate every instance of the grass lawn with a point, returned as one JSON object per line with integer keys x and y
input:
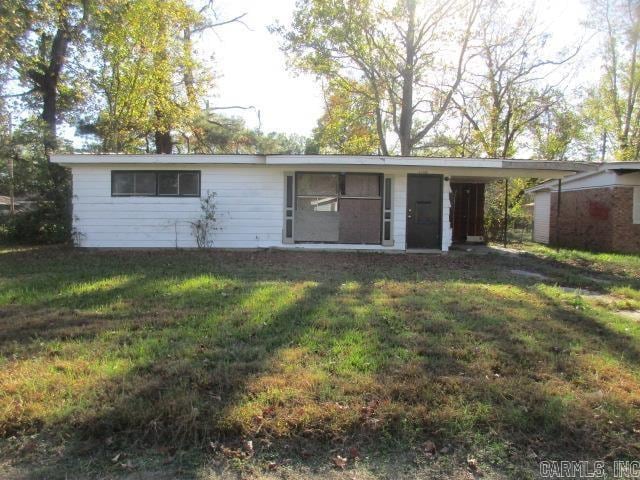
{"x": 195, "y": 364}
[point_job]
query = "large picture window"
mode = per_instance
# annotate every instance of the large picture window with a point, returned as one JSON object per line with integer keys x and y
{"x": 148, "y": 183}
{"x": 338, "y": 208}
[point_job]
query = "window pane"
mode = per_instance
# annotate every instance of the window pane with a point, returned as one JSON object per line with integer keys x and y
{"x": 289, "y": 191}
{"x": 122, "y": 183}
{"x": 317, "y": 184}
{"x": 318, "y": 204}
{"x": 387, "y": 194}
{"x": 362, "y": 185}
{"x": 189, "y": 183}
{"x": 145, "y": 183}
{"x": 168, "y": 183}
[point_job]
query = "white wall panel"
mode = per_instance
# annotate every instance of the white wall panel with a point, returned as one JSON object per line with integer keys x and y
{"x": 541, "y": 216}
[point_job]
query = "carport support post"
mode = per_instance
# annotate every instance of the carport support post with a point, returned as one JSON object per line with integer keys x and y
{"x": 506, "y": 210}
{"x": 558, "y": 215}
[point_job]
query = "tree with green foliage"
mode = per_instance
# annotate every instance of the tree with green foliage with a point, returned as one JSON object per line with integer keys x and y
{"x": 558, "y": 131}
{"x": 348, "y": 123}
{"x": 214, "y": 134}
{"x": 410, "y": 54}
{"x": 613, "y": 105}
{"x": 509, "y": 88}
{"x": 40, "y": 38}
{"x": 41, "y": 48}
{"x": 148, "y": 74}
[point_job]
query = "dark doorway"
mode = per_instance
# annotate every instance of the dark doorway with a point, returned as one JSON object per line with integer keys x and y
{"x": 468, "y": 212}
{"x": 424, "y": 211}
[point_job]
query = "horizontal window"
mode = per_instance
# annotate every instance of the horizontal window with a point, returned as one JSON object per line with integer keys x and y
{"x": 155, "y": 183}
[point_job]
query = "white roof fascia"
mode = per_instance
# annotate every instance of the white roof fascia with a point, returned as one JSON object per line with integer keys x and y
{"x": 154, "y": 159}
{"x": 445, "y": 165}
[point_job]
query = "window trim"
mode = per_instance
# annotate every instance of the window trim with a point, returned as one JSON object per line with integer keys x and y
{"x": 157, "y": 194}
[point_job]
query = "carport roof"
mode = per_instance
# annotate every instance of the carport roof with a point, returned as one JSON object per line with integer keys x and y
{"x": 596, "y": 168}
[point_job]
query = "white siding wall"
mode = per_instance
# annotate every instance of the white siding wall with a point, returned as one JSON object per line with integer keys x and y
{"x": 541, "y": 216}
{"x": 249, "y": 205}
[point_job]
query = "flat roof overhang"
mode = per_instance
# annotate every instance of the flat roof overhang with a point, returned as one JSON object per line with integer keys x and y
{"x": 488, "y": 168}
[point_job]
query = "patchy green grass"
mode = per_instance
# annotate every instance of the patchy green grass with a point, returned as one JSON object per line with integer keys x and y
{"x": 165, "y": 361}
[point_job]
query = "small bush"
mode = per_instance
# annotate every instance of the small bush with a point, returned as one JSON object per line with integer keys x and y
{"x": 45, "y": 224}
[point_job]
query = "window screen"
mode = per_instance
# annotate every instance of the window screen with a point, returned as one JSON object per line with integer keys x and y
{"x": 133, "y": 183}
{"x": 189, "y": 183}
{"x": 122, "y": 183}
{"x": 145, "y": 183}
{"x": 317, "y": 184}
{"x": 357, "y": 185}
{"x": 154, "y": 183}
{"x": 168, "y": 183}
{"x": 338, "y": 207}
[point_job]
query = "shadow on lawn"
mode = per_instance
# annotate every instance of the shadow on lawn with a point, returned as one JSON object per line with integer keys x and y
{"x": 374, "y": 351}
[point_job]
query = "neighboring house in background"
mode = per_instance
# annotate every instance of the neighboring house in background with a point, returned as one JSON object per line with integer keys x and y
{"x": 20, "y": 204}
{"x": 599, "y": 210}
{"x": 289, "y": 201}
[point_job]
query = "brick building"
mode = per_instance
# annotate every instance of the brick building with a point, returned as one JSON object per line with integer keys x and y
{"x": 599, "y": 210}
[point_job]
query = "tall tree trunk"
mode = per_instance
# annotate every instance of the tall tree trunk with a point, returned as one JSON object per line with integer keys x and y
{"x": 406, "y": 114}
{"x": 46, "y": 80}
{"x": 163, "y": 141}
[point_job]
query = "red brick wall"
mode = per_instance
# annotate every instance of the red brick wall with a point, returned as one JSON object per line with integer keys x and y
{"x": 626, "y": 235}
{"x": 597, "y": 219}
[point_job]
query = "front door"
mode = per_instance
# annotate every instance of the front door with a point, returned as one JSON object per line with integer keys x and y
{"x": 468, "y": 212}
{"x": 424, "y": 211}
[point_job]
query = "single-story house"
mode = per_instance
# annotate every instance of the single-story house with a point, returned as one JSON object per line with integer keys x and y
{"x": 288, "y": 201}
{"x": 599, "y": 209}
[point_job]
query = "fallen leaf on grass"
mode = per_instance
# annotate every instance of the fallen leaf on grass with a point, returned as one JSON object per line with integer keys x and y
{"x": 247, "y": 446}
{"x": 446, "y": 449}
{"x": 272, "y": 466}
{"x": 429, "y": 448}
{"x": 29, "y": 447}
{"x": 354, "y": 453}
{"x": 116, "y": 458}
{"x": 339, "y": 461}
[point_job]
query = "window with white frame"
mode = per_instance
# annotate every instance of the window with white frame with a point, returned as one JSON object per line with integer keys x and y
{"x": 636, "y": 205}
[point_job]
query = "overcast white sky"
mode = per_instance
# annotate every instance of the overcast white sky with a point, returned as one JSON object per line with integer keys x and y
{"x": 250, "y": 69}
